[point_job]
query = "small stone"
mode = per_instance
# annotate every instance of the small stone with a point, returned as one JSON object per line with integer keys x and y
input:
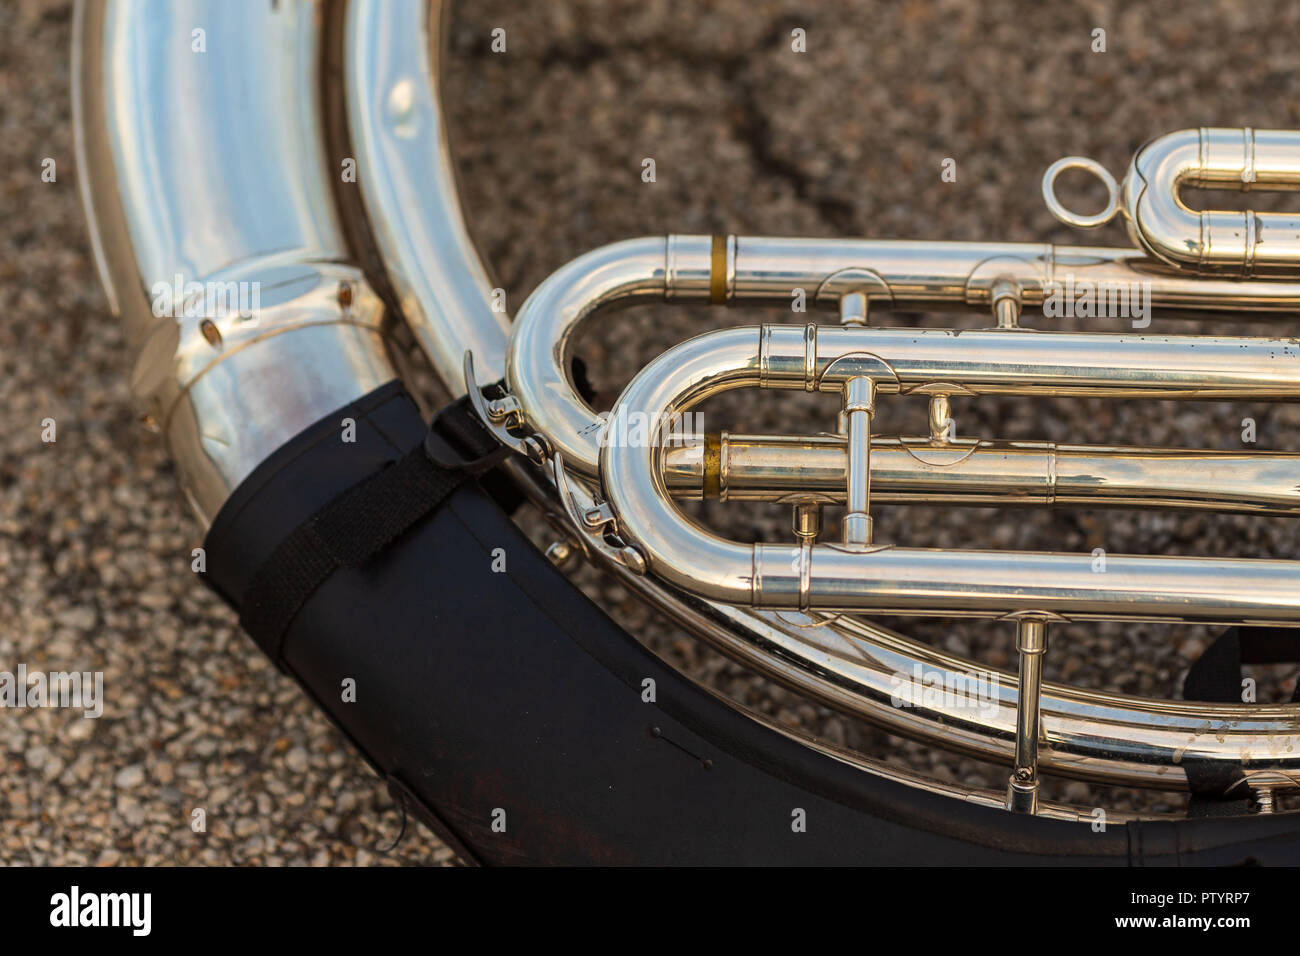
{"x": 130, "y": 810}
{"x": 128, "y": 778}
{"x": 296, "y": 760}
{"x": 36, "y": 756}
{"x": 81, "y": 618}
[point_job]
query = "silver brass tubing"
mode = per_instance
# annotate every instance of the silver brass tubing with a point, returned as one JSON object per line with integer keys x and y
{"x": 271, "y": 181}
{"x": 1237, "y": 243}
{"x": 824, "y": 663}
{"x": 392, "y": 78}
{"x": 899, "y": 274}
{"x": 1023, "y": 362}
{"x": 928, "y": 581}
{"x": 863, "y": 658}
{"x": 942, "y": 276}
{"x": 859, "y": 404}
{"x": 861, "y": 669}
{"x": 1031, "y": 644}
{"x": 876, "y": 655}
{"x": 624, "y": 273}
{"x": 869, "y": 672}
{"x": 1002, "y": 474}
{"x": 211, "y": 168}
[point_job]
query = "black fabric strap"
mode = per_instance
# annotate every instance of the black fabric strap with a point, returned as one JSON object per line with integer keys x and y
{"x": 359, "y": 524}
{"x": 1216, "y": 674}
{"x": 1216, "y": 677}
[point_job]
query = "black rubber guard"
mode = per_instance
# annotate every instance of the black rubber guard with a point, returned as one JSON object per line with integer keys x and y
{"x": 506, "y": 710}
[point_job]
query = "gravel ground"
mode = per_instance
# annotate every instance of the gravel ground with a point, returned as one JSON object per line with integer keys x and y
{"x": 747, "y": 137}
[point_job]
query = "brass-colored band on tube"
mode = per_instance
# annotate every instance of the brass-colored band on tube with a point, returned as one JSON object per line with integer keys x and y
{"x": 718, "y": 272}
{"x": 713, "y": 466}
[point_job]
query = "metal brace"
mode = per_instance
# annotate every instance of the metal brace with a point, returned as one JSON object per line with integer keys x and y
{"x": 598, "y": 524}
{"x": 499, "y": 415}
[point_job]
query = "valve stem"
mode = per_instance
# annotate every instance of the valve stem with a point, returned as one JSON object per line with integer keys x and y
{"x": 859, "y": 405}
{"x": 1031, "y": 642}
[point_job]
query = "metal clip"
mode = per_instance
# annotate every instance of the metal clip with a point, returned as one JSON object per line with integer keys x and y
{"x": 598, "y": 524}
{"x": 499, "y": 415}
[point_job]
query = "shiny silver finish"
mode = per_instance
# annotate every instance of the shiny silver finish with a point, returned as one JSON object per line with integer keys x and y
{"x": 859, "y": 406}
{"x": 441, "y": 312}
{"x": 983, "y": 472}
{"x": 317, "y": 343}
{"x": 1058, "y": 210}
{"x": 394, "y": 52}
{"x": 826, "y": 662}
{"x": 867, "y": 671}
{"x": 1006, "y": 362}
{"x": 925, "y": 275}
{"x": 1083, "y": 730}
{"x": 986, "y": 798}
{"x": 1031, "y": 644}
{"x": 541, "y": 345}
{"x": 1237, "y": 243}
{"x": 922, "y": 581}
{"x": 940, "y": 415}
{"x": 877, "y": 675}
{"x": 853, "y": 308}
{"x": 939, "y": 276}
{"x": 222, "y": 178}
{"x": 891, "y": 274}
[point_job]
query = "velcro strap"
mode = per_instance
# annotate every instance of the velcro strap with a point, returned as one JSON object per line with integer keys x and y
{"x": 363, "y": 521}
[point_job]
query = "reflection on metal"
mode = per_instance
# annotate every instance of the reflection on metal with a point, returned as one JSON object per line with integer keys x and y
{"x": 904, "y": 274}
{"x": 900, "y": 580}
{"x": 218, "y": 176}
{"x": 983, "y": 472}
{"x": 809, "y": 470}
{"x": 394, "y": 53}
{"x": 227, "y": 392}
{"x": 1240, "y": 243}
{"x": 1031, "y": 645}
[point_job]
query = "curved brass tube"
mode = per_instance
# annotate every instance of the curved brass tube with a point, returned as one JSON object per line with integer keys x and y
{"x": 1237, "y": 243}
{"x": 849, "y": 664}
{"x": 927, "y": 581}
{"x": 763, "y": 271}
{"x": 221, "y": 182}
{"x": 264, "y": 213}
